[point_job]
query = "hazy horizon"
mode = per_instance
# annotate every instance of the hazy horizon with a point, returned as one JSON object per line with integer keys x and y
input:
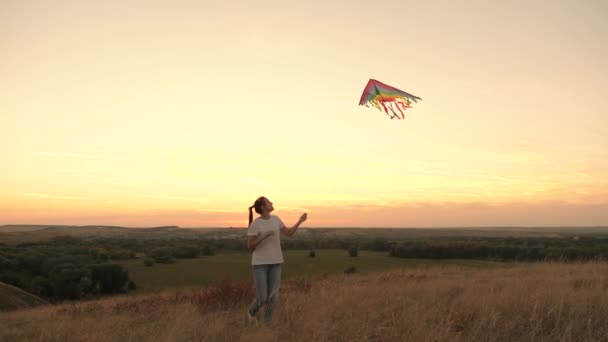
{"x": 312, "y": 227}
{"x": 184, "y": 112}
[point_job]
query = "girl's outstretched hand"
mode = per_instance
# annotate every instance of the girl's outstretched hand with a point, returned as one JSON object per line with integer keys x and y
{"x": 303, "y": 217}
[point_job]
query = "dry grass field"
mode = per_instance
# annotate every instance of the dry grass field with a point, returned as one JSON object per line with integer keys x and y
{"x": 526, "y": 302}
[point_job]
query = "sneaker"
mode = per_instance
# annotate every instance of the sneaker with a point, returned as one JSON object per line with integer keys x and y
{"x": 251, "y": 318}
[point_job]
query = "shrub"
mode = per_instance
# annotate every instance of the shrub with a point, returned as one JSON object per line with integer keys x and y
{"x": 70, "y": 281}
{"x": 207, "y": 250}
{"x": 185, "y": 252}
{"x": 7, "y": 264}
{"x": 13, "y": 278}
{"x": 111, "y": 278}
{"x": 41, "y": 286}
{"x": 162, "y": 256}
{"x": 353, "y": 251}
{"x": 350, "y": 270}
{"x": 148, "y": 262}
{"x": 312, "y": 254}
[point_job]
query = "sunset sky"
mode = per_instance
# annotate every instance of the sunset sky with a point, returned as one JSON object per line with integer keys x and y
{"x": 149, "y": 113}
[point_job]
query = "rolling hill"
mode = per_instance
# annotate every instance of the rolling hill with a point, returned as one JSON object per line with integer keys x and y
{"x": 12, "y": 298}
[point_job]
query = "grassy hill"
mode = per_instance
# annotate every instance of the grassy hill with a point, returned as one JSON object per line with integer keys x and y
{"x": 12, "y": 298}
{"x": 527, "y": 302}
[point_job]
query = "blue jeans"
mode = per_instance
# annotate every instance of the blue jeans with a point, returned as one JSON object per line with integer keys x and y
{"x": 267, "y": 279}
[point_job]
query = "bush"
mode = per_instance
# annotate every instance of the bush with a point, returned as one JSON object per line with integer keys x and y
{"x": 353, "y": 251}
{"x": 186, "y": 252}
{"x": 162, "y": 256}
{"x": 41, "y": 286}
{"x": 131, "y": 285}
{"x": 111, "y": 278}
{"x": 7, "y": 264}
{"x": 99, "y": 254}
{"x": 70, "y": 281}
{"x": 312, "y": 254}
{"x": 207, "y": 250}
{"x": 350, "y": 270}
{"x": 12, "y": 278}
{"x": 148, "y": 262}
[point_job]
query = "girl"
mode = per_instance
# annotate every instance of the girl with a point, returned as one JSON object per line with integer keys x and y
{"x": 265, "y": 245}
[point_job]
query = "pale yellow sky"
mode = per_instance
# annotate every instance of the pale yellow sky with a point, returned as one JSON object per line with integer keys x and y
{"x": 145, "y": 113}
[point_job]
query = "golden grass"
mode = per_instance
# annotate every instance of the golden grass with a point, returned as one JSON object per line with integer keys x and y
{"x": 527, "y": 302}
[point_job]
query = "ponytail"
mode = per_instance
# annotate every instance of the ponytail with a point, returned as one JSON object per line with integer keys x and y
{"x": 250, "y": 215}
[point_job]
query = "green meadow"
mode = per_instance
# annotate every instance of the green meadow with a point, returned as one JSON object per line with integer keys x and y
{"x": 208, "y": 270}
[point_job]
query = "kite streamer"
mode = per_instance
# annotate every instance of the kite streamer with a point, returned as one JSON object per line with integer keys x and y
{"x": 385, "y": 98}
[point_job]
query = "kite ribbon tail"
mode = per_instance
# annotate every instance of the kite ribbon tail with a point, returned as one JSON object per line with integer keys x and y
{"x": 393, "y": 110}
{"x": 399, "y": 105}
{"x": 384, "y": 106}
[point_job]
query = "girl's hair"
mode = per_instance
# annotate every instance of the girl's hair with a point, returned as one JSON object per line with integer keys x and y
{"x": 257, "y": 205}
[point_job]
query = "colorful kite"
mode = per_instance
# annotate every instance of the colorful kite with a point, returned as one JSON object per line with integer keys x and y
{"x": 386, "y": 98}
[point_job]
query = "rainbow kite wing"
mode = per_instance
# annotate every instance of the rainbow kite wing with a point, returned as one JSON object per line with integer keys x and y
{"x": 386, "y": 98}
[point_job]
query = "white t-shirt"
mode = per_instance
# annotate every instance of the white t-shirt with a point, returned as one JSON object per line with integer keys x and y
{"x": 269, "y": 250}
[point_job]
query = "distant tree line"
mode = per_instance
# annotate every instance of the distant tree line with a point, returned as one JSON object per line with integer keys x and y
{"x": 458, "y": 247}
{"x": 504, "y": 249}
{"x": 363, "y": 243}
